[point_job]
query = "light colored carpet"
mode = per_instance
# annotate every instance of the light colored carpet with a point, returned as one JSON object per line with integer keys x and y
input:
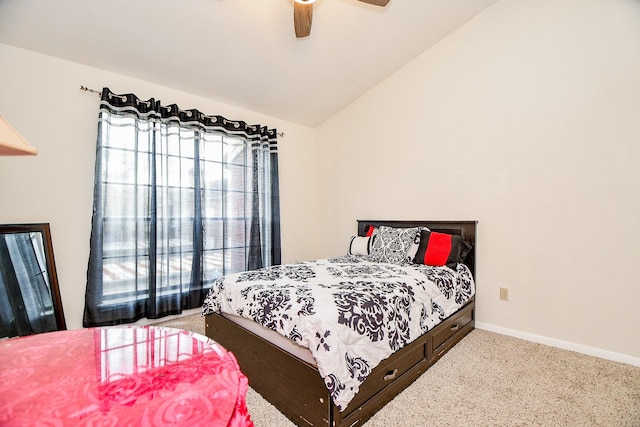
{"x": 490, "y": 379}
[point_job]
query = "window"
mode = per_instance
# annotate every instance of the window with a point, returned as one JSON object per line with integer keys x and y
{"x": 180, "y": 199}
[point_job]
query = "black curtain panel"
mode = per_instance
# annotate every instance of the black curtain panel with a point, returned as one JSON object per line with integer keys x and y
{"x": 180, "y": 199}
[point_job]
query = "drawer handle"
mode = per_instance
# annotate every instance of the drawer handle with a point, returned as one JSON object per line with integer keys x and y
{"x": 390, "y": 375}
{"x": 455, "y": 327}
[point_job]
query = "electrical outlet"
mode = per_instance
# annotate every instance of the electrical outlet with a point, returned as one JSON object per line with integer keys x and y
{"x": 504, "y": 294}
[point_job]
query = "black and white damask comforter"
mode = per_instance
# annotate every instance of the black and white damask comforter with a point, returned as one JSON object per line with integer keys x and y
{"x": 349, "y": 312}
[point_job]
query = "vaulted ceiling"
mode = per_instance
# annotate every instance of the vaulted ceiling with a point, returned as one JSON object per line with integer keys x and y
{"x": 240, "y": 52}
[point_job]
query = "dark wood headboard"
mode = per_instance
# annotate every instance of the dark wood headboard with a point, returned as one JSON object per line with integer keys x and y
{"x": 466, "y": 229}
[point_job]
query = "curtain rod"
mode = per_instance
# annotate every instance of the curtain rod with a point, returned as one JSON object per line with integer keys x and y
{"x": 86, "y": 89}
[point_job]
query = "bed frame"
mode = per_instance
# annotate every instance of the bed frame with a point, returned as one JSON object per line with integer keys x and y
{"x": 296, "y": 388}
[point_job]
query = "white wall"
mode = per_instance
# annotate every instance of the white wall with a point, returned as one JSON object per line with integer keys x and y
{"x": 526, "y": 119}
{"x": 40, "y": 97}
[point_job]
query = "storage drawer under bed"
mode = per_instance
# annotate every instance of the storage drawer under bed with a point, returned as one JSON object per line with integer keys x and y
{"x": 444, "y": 335}
{"x": 387, "y": 372}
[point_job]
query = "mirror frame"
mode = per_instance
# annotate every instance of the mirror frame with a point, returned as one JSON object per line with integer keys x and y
{"x": 45, "y": 230}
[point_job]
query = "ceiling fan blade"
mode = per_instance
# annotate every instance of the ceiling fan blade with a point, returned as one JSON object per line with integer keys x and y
{"x": 302, "y": 16}
{"x": 376, "y": 2}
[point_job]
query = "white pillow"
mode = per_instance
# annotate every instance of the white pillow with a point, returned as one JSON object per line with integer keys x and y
{"x": 359, "y": 245}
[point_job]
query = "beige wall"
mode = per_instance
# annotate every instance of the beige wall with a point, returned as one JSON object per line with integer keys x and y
{"x": 40, "y": 97}
{"x": 526, "y": 119}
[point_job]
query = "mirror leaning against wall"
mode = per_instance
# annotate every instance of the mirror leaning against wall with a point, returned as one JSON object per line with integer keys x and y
{"x": 29, "y": 294}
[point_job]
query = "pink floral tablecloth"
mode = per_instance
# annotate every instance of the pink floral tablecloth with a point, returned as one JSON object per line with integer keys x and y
{"x": 123, "y": 376}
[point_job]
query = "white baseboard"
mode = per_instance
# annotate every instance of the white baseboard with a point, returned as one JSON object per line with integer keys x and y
{"x": 565, "y": 345}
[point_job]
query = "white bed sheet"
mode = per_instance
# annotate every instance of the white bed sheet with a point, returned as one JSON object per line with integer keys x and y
{"x": 273, "y": 337}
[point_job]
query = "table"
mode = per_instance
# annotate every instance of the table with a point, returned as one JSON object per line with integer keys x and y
{"x": 120, "y": 376}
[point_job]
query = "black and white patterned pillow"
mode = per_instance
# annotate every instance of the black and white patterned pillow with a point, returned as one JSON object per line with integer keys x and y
{"x": 392, "y": 244}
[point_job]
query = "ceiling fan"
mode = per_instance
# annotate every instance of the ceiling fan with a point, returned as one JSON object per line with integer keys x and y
{"x": 303, "y": 14}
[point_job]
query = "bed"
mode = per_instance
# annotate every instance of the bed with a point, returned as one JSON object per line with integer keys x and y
{"x": 284, "y": 373}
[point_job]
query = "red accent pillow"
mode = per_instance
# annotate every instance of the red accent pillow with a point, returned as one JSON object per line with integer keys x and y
{"x": 439, "y": 249}
{"x": 370, "y": 231}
